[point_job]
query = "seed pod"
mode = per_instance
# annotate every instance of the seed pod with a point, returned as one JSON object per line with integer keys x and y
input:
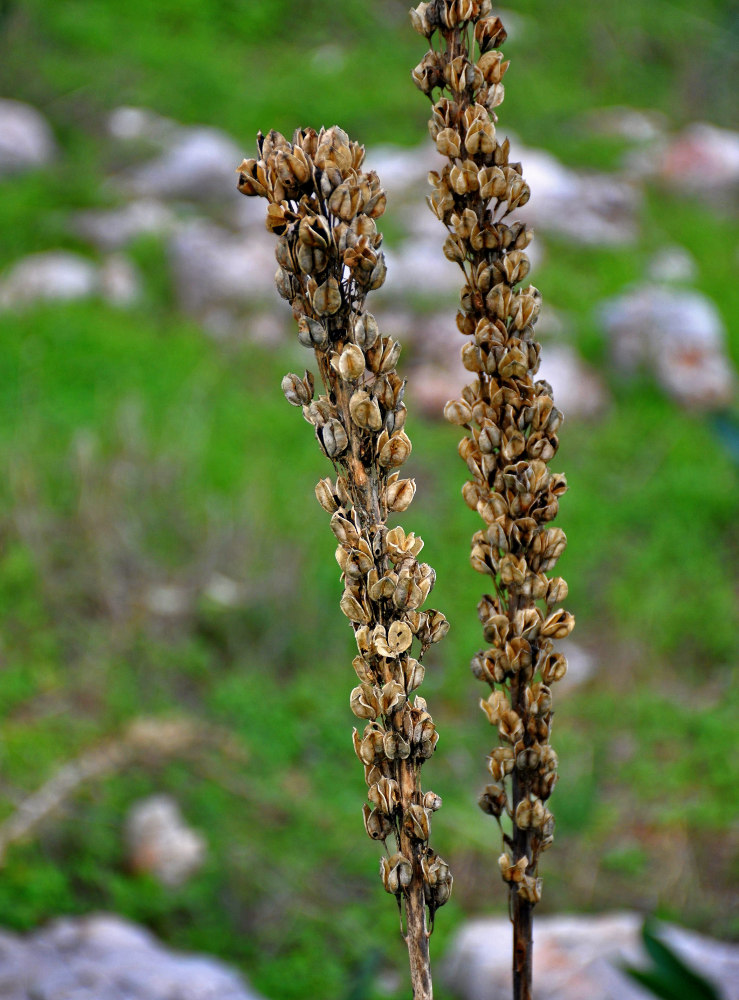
{"x": 392, "y": 697}
{"x": 298, "y": 391}
{"x": 512, "y": 872}
{"x": 420, "y": 20}
{"x": 311, "y": 333}
{"x": 493, "y": 800}
{"x": 365, "y": 411}
{"x": 325, "y": 495}
{"x": 351, "y": 363}
{"x": 326, "y": 299}
{"x": 457, "y": 411}
{"x": 364, "y": 703}
{"x": 396, "y": 872}
{"x": 399, "y": 637}
{"x": 365, "y": 330}
{"x": 345, "y": 531}
{"x": 432, "y": 801}
{"x": 416, "y": 823}
{"x": 413, "y": 673}
{"x": 554, "y": 668}
{"x": 334, "y": 438}
{"x": 399, "y": 494}
{"x": 558, "y": 625}
{"x": 377, "y": 824}
{"x": 395, "y": 451}
{"x": 385, "y": 794}
{"x": 353, "y": 610}
{"x": 530, "y": 889}
{"x": 395, "y": 747}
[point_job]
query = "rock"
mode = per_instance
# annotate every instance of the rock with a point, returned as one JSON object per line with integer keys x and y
{"x": 128, "y": 124}
{"x": 578, "y": 390}
{"x": 159, "y": 841}
{"x": 402, "y": 170}
{"x": 103, "y": 957}
{"x": 581, "y": 665}
{"x": 678, "y": 335}
{"x": 703, "y": 159}
{"x": 63, "y": 276}
{"x": 592, "y": 208}
{"x": 26, "y": 140}
{"x": 420, "y": 268}
{"x": 119, "y": 281}
{"x": 672, "y": 263}
{"x": 197, "y": 164}
{"x": 116, "y": 228}
{"x": 632, "y": 124}
{"x": 215, "y": 267}
{"x": 577, "y": 958}
{"x": 53, "y": 275}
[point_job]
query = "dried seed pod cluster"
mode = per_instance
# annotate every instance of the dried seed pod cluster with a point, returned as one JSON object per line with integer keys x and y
{"x": 510, "y": 422}
{"x": 323, "y": 208}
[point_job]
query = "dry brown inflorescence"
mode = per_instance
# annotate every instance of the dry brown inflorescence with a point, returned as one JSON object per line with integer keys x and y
{"x": 322, "y": 209}
{"x": 511, "y": 425}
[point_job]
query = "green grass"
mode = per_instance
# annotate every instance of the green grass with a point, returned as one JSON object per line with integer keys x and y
{"x": 140, "y": 452}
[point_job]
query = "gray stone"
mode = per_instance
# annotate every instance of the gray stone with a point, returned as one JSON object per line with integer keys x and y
{"x": 678, "y": 335}
{"x": 577, "y": 958}
{"x": 592, "y": 208}
{"x": 159, "y": 841}
{"x": 577, "y": 389}
{"x": 103, "y": 957}
{"x": 52, "y": 275}
{"x": 581, "y": 665}
{"x": 215, "y": 267}
{"x": 702, "y": 159}
{"x": 633, "y": 124}
{"x": 63, "y": 276}
{"x": 672, "y": 264}
{"x": 119, "y": 281}
{"x": 117, "y": 227}
{"x": 199, "y": 164}
{"x": 26, "y": 140}
{"x": 130, "y": 124}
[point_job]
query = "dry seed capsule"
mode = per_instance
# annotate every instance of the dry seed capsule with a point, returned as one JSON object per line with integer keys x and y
{"x": 351, "y": 363}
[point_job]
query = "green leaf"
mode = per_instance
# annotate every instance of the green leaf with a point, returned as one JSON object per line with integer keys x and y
{"x": 672, "y": 967}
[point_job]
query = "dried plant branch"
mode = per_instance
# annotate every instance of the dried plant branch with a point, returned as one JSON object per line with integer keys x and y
{"x": 323, "y": 208}
{"x": 511, "y": 428}
{"x": 146, "y": 740}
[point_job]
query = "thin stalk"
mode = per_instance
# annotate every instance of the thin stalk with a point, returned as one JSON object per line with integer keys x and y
{"x": 510, "y": 429}
{"x": 323, "y": 210}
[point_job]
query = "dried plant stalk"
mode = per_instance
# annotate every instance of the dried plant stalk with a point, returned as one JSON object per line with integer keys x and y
{"x": 511, "y": 428}
{"x": 322, "y": 208}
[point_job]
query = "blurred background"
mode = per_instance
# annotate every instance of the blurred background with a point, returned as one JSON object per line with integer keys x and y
{"x": 169, "y": 622}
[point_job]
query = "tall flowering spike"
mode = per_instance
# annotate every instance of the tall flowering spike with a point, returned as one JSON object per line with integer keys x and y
{"x": 510, "y": 423}
{"x": 323, "y": 208}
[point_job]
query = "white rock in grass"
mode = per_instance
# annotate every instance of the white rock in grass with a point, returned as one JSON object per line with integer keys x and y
{"x": 119, "y": 281}
{"x": 103, "y": 957}
{"x": 578, "y": 390}
{"x": 702, "y": 159}
{"x": 577, "y": 958}
{"x": 49, "y": 276}
{"x": 679, "y": 336}
{"x": 213, "y": 266}
{"x": 115, "y": 228}
{"x": 26, "y": 140}
{"x": 63, "y": 276}
{"x": 199, "y": 164}
{"x": 160, "y": 842}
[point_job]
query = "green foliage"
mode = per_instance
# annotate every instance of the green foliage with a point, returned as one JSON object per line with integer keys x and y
{"x": 670, "y": 978}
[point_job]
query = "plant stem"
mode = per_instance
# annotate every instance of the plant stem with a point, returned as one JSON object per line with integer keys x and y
{"x": 416, "y": 937}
